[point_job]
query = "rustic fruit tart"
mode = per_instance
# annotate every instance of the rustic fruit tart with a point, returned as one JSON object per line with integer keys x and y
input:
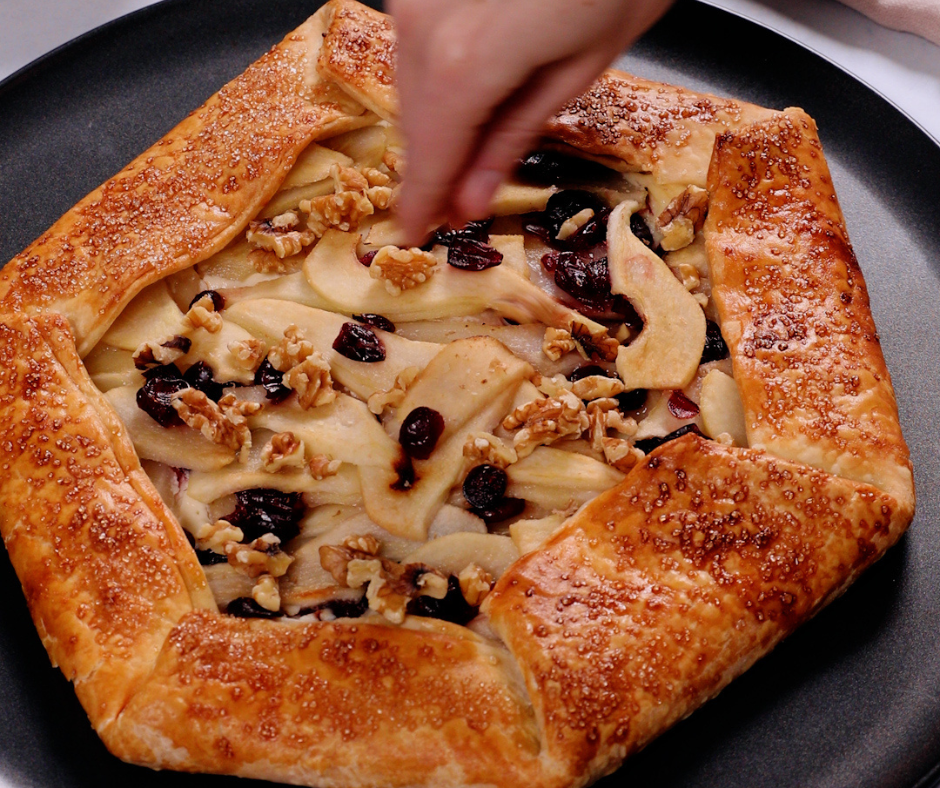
{"x": 290, "y": 499}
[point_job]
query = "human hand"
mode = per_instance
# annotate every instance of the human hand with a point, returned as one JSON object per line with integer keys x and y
{"x": 477, "y": 80}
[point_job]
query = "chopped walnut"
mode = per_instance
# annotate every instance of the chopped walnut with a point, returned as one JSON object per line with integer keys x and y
{"x": 342, "y": 211}
{"x": 312, "y": 382}
{"x": 475, "y": 584}
{"x": 375, "y": 177}
{"x": 267, "y": 593}
{"x": 348, "y": 179}
{"x": 482, "y": 448}
{"x": 621, "y": 454}
{"x": 226, "y": 428}
{"x": 603, "y": 416}
{"x": 322, "y": 466}
{"x": 284, "y": 450}
{"x": 391, "y": 586}
{"x": 683, "y": 217}
{"x": 396, "y": 394}
{"x": 216, "y": 535}
{"x": 202, "y": 314}
{"x": 291, "y": 350}
{"x": 701, "y": 299}
{"x": 551, "y": 386}
{"x": 280, "y": 235}
{"x": 381, "y": 197}
{"x": 248, "y": 353}
{"x": 724, "y": 438}
{"x": 365, "y": 543}
{"x": 557, "y": 342}
{"x": 394, "y": 161}
{"x": 570, "y": 226}
{"x": 163, "y": 351}
{"x": 402, "y": 269}
{"x": 597, "y": 387}
{"x": 262, "y": 556}
{"x": 545, "y": 421}
{"x": 594, "y": 344}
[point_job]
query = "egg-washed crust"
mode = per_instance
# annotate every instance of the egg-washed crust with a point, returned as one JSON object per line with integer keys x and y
{"x": 185, "y": 198}
{"x": 794, "y": 308}
{"x": 646, "y": 604}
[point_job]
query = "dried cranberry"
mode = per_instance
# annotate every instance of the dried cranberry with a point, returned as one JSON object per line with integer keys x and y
{"x": 501, "y": 510}
{"x": 681, "y": 406}
{"x": 340, "y": 608}
{"x": 471, "y": 231}
{"x": 246, "y": 607}
{"x": 641, "y": 230}
{"x": 584, "y": 278}
{"x": 263, "y": 511}
{"x": 420, "y": 432}
{"x": 484, "y": 486}
{"x": 631, "y": 400}
{"x": 218, "y": 300}
{"x": 648, "y": 444}
{"x": 550, "y": 261}
{"x": 199, "y": 376}
{"x": 377, "y": 321}
{"x": 155, "y": 397}
{"x": 589, "y": 370}
{"x": 715, "y": 347}
{"x": 210, "y": 557}
{"x": 564, "y": 205}
{"x": 453, "y": 607}
{"x": 368, "y": 257}
{"x": 468, "y": 254}
{"x": 273, "y": 381}
{"x": 552, "y": 168}
{"x": 359, "y": 343}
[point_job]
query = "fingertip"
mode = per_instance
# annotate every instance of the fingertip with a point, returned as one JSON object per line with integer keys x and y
{"x": 475, "y": 194}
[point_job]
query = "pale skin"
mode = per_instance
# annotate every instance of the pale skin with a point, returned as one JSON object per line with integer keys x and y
{"x": 478, "y": 79}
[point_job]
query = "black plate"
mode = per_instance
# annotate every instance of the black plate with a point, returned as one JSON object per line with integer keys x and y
{"x": 853, "y": 698}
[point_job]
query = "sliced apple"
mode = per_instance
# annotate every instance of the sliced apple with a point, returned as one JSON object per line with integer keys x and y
{"x": 170, "y": 445}
{"x": 557, "y": 479}
{"x": 343, "y": 488}
{"x": 451, "y": 554}
{"x": 152, "y": 314}
{"x": 722, "y": 408}
{"x": 365, "y": 146}
{"x": 321, "y": 519}
{"x": 344, "y": 429}
{"x": 292, "y": 287}
{"x": 472, "y": 384}
{"x": 268, "y": 318}
{"x": 667, "y": 352}
{"x": 516, "y": 198}
{"x": 452, "y": 519}
{"x": 530, "y": 535}
{"x": 289, "y": 199}
{"x": 334, "y": 272}
{"x": 314, "y": 165}
{"x": 111, "y": 367}
{"x": 512, "y": 248}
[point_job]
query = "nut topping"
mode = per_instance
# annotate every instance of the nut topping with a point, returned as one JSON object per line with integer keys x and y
{"x": 261, "y": 556}
{"x": 557, "y": 342}
{"x": 483, "y": 448}
{"x": 248, "y": 353}
{"x": 223, "y": 423}
{"x": 402, "y": 269}
{"x": 283, "y": 450}
{"x": 322, "y": 466}
{"x": 163, "y": 351}
{"x": 280, "y": 235}
{"x": 545, "y": 421}
{"x": 291, "y": 350}
{"x": 392, "y": 398}
{"x": 312, "y": 382}
{"x": 202, "y": 314}
{"x": 475, "y": 584}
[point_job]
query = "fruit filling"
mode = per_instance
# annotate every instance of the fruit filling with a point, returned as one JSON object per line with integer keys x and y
{"x": 346, "y": 427}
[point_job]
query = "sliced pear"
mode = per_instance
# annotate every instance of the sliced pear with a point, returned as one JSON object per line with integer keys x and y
{"x": 365, "y": 146}
{"x": 722, "y": 408}
{"x": 291, "y": 287}
{"x": 320, "y": 519}
{"x": 667, "y": 352}
{"x": 471, "y": 383}
{"x": 213, "y": 349}
{"x": 152, "y": 314}
{"x": 289, "y": 199}
{"x": 344, "y": 429}
{"x": 343, "y": 488}
{"x": 231, "y": 267}
{"x": 333, "y": 270}
{"x": 227, "y": 583}
{"x": 515, "y": 198}
{"x": 512, "y": 247}
{"x": 314, "y": 165}
{"x": 111, "y": 367}
{"x": 268, "y": 318}
{"x": 170, "y": 445}
{"x": 530, "y": 535}
{"x": 451, "y": 554}
{"x": 452, "y": 519}
{"x": 556, "y": 479}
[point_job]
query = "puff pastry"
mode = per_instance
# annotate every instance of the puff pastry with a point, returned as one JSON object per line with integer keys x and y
{"x": 627, "y": 615}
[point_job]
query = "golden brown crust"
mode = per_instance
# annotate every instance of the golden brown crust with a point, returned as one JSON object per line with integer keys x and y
{"x": 794, "y": 308}
{"x": 354, "y": 704}
{"x": 179, "y": 202}
{"x": 97, "y": 568}
{"x": 653, "y": 127}
{"x": 661, "y": 591}
{"x": 359, "y": 52}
